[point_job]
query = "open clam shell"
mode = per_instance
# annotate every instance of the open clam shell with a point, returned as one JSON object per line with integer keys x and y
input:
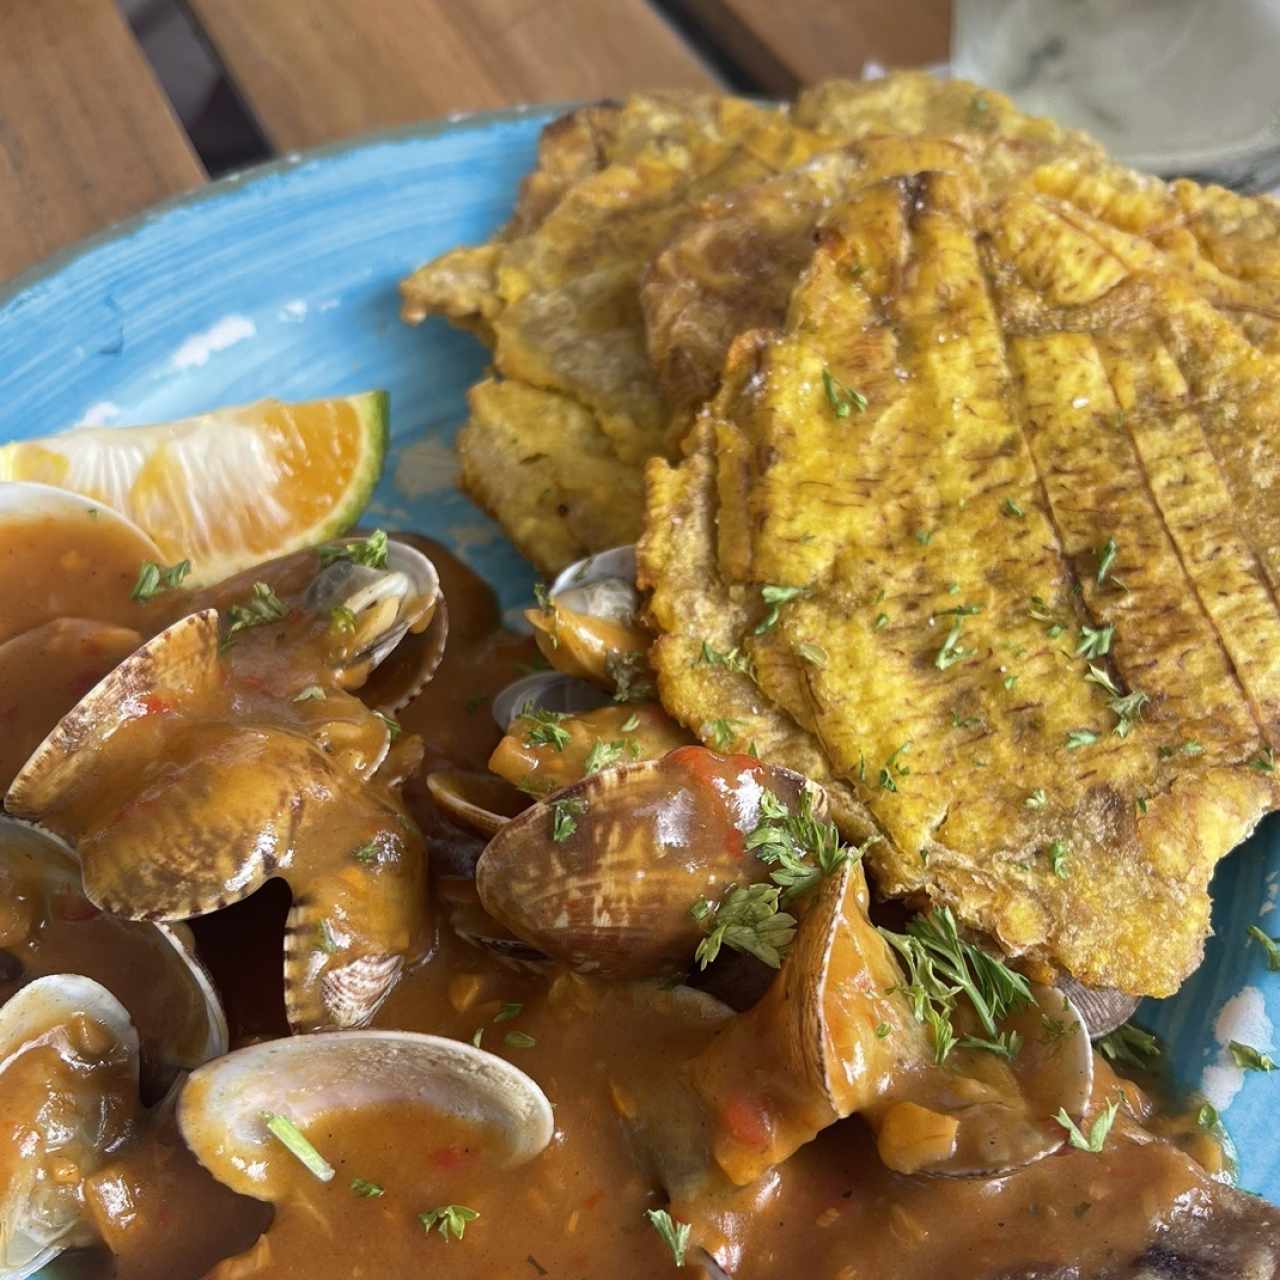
{"x": 547, "y": 691}
{"x": 21, "y": 500}
{"x": 386, "y": 603}
{"x": 150, "y": 968}
{"x": 481, "y": 802}
{"x": 70, "y": 1127}
{"x": 601, "y": 875}
{"x": 173, "y": 824}
{"x": 222, "y": 1105}
{"x": 1102, "y": 1008}
{"x": 589, "y": 626}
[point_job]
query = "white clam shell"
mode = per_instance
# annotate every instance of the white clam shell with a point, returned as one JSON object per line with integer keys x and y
{"x": 21, "y": 499}
{"x": 304, "y": 1078}
{"x": 547, "y": 691}
{"x": 35, "y": 1226}
{"x": 188, "y": 1042}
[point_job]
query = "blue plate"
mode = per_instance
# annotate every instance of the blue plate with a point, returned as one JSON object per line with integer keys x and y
{"x": 282, "y": 281}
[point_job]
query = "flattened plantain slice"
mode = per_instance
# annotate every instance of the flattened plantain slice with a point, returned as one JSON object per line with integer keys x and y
{"x": 1007, "y": 627}
{"x": 536, "y": 460}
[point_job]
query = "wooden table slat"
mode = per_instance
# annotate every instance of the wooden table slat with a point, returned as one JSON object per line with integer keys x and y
{"x": 327, "y": 69}
{"x": 87, "y": 135}
{"x": 784, "y": 44}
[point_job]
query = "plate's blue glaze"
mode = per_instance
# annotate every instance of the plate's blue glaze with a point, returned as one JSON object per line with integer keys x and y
{"x": 282, "y": 281}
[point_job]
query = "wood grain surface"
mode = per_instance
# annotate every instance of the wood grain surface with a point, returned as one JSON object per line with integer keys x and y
{"x": 783, "y": 44}
{"x": 87, "y": 136}
{"x": 327, "y": 69}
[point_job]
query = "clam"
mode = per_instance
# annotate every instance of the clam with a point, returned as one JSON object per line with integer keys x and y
{"x": 602, "y": 875}
{"x": 589, "y": 626}
{"x": 23, "y": 500}
{"x": 68, "y": 1075}
{"x": 478, "y": 801}
{"x": 222, "y": 1107}
{"x": 48, "y": 926}
{"x": 813, "y": 1038}
{"x": 181, "y": 797}
{"x": 1102, "y": 1008}
{"x": 387, "y": 604}
{"x": 547, "y": 691}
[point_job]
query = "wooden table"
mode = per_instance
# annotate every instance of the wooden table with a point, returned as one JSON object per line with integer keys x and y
{"x": 87, "y": 134}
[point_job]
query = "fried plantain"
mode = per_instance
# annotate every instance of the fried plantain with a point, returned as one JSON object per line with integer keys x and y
{"x": 987, "y": 527}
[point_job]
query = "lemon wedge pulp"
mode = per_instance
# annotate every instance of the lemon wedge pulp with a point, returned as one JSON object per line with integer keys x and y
{"x": 226, "y": 489}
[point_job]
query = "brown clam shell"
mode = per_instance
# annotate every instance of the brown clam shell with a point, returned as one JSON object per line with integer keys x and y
{"x": 612, "y": 895}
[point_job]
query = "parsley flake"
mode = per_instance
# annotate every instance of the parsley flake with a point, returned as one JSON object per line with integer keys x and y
{"x": 775, "y": 598}
{"x": 448, "y": 1220}
{"x": 1011, "y": 508}
{"x": 154, "y": 580}
{"x": 951, "y": 651}
{"x": 675, "y": 1235}
{"x": 1106, "y": 558}
{"x": 365, "y": 1189}
{"x": 370, "y": 551}
{"x": 603, "y": 755}
{"x": 1270, "y": 945}
{"x": 842, "y": 399}
{"x": 564, "y": 818}
{"x": 1251, "y": 1059}
{"x": 1098, "y": 1131}
{"x": 747, "y": 918}
{"x": 263, "y": 606}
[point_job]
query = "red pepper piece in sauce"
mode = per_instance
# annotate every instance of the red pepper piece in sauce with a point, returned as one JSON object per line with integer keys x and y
{"x": 746, "y": 1120}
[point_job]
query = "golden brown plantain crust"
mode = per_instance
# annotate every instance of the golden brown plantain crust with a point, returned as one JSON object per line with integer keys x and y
{"x": 1031, "y": 398}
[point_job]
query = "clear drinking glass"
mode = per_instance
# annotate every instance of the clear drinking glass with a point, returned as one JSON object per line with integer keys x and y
{"x": 1175, "y": 87}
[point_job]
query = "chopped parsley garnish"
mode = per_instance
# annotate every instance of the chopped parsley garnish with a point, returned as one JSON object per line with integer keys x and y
{"x": 731, "y": 659}
{"x": 1270, "y": 945}
{"x": 393, "y": 726}
{"x": 448, "y": 1220}
{"x": 940, "y": 966}
{"x": 951, "y": 652}
{"x": 1251, "y": 1059}
{"x": 747, "y": 918}
{"x": 675, "y": 1235}
{"x": 1037, "y": 799}
{"x": 1005, "y": 1046}
{"x": 814, "y": 654}
{"x": 1009, "y": 681}
{"x": 1011, "y": 508}
{"x": 312, "y": 693}
{"x": 1264, "y": 762}
{"x": 1126, "y": 707}
{"x": 1189, "y": 748}
{"x": 564, "y": 818}
{"x": 1106, "y": 558}
{"x": 800, "y": 848}
{"x": 1207, "y": 1116}
{"x": 630, "y": 724}
{"x": 544, "y": 727}
{"x": 960, "y": 611}
{"x": 775, "y": 598}
{"x": 882, "y": 621}
{"x": 883, "y": 1030}
{"x": 510, "y": 1009}
{"x": 842, "y": 399}
{"x": 1095, "y": 641}
{"x": 603, "y": 755}
{"x": 722, "y": 733}
{"x": 263, "y": 606}
{"x": 1098, "y": 1131}
{"x": 1078, "y": 738}
{"x": 892, "y": 767}
{"x": 296, "y": 1143}
{"x": 518, "y": 1040}
{"x": 154, "y": 580}
{"x": 365, "y": 1189}
{"x": 1131, "y": 1045}
{"x": 370, "y": 551}
{"x": 965, "y": 722}
{"x": 924, "y": 536}
{"x": 367, "y": 852}
{"x": 1058, "y": 858}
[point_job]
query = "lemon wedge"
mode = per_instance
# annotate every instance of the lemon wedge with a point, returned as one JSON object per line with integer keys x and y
{"x": 226, "y": 489}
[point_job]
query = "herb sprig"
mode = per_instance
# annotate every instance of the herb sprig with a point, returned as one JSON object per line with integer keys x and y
{"x": 747, "y": 918}
{"x": 154, "y": 579}
{"x": 370, "y": 551}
